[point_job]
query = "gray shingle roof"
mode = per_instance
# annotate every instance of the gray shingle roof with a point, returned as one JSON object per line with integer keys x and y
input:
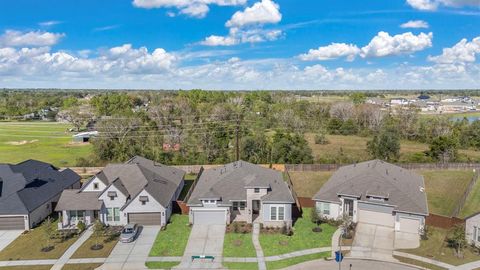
{"x": 404, "y": 189}
{"x": 229, "y": 182}
{"x": 30, "y": 184}
{"x": 73, "y": 199}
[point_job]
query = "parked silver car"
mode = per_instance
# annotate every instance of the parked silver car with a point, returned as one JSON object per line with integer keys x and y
{"x": 129, "y": 233}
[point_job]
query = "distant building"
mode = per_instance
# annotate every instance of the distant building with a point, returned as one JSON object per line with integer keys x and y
{"x": 84, "y": 136}
{"x": 399, "y": 101}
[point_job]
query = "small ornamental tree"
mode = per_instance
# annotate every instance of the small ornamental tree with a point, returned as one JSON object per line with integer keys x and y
{"x": 457, "y": 240}
{"x": 315, "y": 218}
{"x": 98, "y": 231}
{"x": 48, "y": 230}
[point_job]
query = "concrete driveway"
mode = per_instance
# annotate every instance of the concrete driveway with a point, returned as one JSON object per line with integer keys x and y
{"x": 405, "y": 240}
{"x": 356, "y": 265}
{"x": 7, "y": 237}
{"x": 373, "y": 241}
{"x": 204, "y": 240}
{"x": 132, "y": 255}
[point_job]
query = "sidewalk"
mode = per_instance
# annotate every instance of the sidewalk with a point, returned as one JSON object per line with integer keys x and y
{"x": 71, "y": 250}
{"x": 258, "y": 248}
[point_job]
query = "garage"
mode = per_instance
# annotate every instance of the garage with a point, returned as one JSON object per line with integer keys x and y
{"x": 145, "y": 218}
{"x": 410, "y": 225}
{"x": 376, "y": 218}
{"x": 207, "y": 217}
{"x": 12, "y": 223}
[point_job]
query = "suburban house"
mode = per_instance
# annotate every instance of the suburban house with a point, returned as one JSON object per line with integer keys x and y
{"x": 241, "y": 191}
{"x": 29, "y": 192}
{"x": 472, "y": 229}
{"x": 138, "y": 191}
{"x": 375, "y": 192}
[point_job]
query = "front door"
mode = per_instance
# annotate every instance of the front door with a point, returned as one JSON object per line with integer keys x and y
{"x": 255, "y": 207}
{"x": 348, "y": 207}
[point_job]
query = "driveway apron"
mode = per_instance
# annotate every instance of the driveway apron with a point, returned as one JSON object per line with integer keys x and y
{"x": 204, "y": 240}
{"x": 7, "y": 237}
{"x": 373, "y": 241}
{"x": 132, "y": 255}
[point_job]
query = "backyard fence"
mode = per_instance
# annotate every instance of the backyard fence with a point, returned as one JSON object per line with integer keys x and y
{"x": 464, "y": 197}
{"x": 443, "y": 221}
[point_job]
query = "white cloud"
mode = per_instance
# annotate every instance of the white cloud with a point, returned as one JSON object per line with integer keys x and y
{"x": 463, "y": 52}
{"x": 12, "y": 38}
{"x": 332, "y": 51}
{"x": 384, "y": 45}
{"x": 247, "y": 26}
{"x": 432, "y": 5}
{"x": 415, "y": 24}
{"x": 49, "y": 23}
{"x": 262, "y": 12}
{"x": 193, "y": 8}
{"x": 106, "y": 28}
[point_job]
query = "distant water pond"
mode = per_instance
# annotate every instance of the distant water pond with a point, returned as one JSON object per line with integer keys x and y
{"x": 469, "y": 118}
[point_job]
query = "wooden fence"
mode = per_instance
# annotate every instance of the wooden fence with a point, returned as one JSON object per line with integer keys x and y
{"x": 298, "y": 211}
{"x": 443, "y": 221}
{"x": 464, "y": 197}
{"x": 409, "y": 166}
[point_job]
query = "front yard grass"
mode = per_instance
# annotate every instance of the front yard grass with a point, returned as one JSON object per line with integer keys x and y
{"x": 445, "y": 188}
{"x": 27, "y": 267}
{"x": 28, "y": 246}
{"x": 303, "y": 237}
{"x": 84, "y": 251}
{"x": 472, "y": 204}
{"x": 296, "y": 260}
{"x": 161, "y": 265}
{"x": 238, "y": 245}
{"x": 423, "y": 265}
{"x": 308, "y": 183}
{"x": 81, "y": 266}
{"x": 436, "y": 248}
{"x": 173, "y": 240}
{"x": 241, "y": 266}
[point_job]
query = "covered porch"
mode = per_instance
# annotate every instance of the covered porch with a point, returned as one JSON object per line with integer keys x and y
{"x": 75, "y": 207}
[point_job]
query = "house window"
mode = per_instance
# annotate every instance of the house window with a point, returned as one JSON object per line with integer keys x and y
{"x": 239, "y": 206}
{"x": 256, "y": 190}
{"x": 112, "y": 198}
{"x": 277, "y": 213}
{"x": 76, "y": 215}
{"x": 113, "y": 214}
{"x": 144, "y": 202}
{"x": 476, "y": 234}
{"x": 95, "y": 185}
{"x": 324, "y": 208}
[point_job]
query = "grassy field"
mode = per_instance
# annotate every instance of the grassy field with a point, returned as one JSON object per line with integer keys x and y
{"x": 238, "y": 245}
{"x": 302, "y": 238}
{"x": 46, "y": 141}
{"x": 472, "y": 205}
{"x": 173, "y": 240}
{"x": 445, "y": 188}
{"x": 436, "y": 248}
{"x": 353, "y": 148}
{"x": 308, "y": 183}
{"x": 33, "y": 242}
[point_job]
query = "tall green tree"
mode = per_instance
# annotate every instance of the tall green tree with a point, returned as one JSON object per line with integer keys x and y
{"x": 386, "y": 144}
{"x": 444, "y": 148}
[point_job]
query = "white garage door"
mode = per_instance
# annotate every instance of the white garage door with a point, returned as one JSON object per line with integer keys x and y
{"x": 409, "y": 225}
{"x": 209, "y": 217}
{"x": 376, "y": 218}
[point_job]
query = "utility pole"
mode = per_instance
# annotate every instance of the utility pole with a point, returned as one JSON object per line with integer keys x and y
{"x": 237, "y": 144}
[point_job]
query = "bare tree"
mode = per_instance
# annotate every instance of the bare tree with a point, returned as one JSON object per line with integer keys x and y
{"x": 342, "y": 110}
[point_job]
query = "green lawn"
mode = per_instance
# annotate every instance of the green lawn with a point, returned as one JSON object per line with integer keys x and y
{"x": 84, "y": 250}
{"x": 173, "y": 240}
{"x": 46, "y": 141}
{"x": 303, "y": 237}
{"x": 289, "y": 262}
{"x": 423, "y": 265}
{"x": 241, "y": 266}
{"x": 29, "y": 267}
{"x": 81, "y": 266}
{"x": 238, "y": 245}
{"x": 308, "y": 183}
{"x": 445, "y": 188}
{"x": 436, "y": 248}
{"x": 161, "y": 265}
{"x": 33, "y": 241}
{"x": 472, "y": 205}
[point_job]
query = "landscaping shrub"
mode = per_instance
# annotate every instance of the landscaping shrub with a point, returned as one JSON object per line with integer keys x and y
{"x": 81, "y": 227}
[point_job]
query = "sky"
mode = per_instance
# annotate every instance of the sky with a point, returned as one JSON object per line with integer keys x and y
{"x": 240, "y": 44}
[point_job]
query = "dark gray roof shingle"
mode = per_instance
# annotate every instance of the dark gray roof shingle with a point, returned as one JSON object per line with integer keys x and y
{"x": 404, "y": 189}
{"x": 73, "y": 199}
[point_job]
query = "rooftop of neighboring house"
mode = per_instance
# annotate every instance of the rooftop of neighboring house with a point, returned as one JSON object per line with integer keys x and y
{"x": 29, "y": 184}
{"x": 229, "y": 183}
{"x": 377, "y": 182}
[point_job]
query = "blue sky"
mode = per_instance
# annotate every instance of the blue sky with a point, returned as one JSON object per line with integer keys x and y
{"x": 240, "y": 44}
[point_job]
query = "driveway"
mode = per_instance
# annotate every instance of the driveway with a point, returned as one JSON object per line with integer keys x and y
{"x": 7, "y": 237}
{"x": 404, "y": 240}
{"x": 373, "y": 241}
{"x": 356, "y": 265}
{"x": 132, "y": 255}
{"x": 204, "y": 240}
